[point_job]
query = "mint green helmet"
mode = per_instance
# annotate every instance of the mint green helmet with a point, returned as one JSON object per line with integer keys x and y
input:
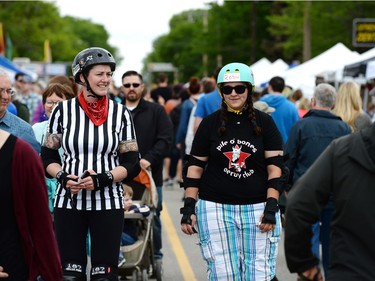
{"x": 235, "y": 72}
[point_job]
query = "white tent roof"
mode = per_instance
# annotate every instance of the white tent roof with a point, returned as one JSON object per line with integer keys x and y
{"x": 260, "y": 67}
{"x": 303, "y": 76}
{"x": 370, "y": 70}
{"x": 275, "y": 69}
{"x": 364, "y": 56}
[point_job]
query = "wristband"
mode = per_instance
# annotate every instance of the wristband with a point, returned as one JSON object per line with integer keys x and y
{"x": 63, "y": 178}
{"x": 102, "y": 180}
{"x": 269, "y": 214}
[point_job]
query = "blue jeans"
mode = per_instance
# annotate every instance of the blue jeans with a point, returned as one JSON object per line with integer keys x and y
{"x": 321, "y": 234}
{"x": 127, "y": 239}
{"x": 157, "y": 233}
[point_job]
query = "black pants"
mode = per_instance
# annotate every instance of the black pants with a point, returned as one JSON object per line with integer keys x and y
{"x": 105, "y": 229}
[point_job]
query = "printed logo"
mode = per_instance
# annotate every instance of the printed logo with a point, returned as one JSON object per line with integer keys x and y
{"x": 98, "y": 270}
{"x": 236, "y": 158}
{"x": 73, "y": 267}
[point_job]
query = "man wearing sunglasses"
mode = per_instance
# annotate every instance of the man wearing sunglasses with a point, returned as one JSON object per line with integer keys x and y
{"x": 154, "y": 132}
{"x": 31, "y": 99}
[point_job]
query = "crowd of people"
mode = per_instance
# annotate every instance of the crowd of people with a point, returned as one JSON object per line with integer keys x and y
{"x": 253, "y": 164}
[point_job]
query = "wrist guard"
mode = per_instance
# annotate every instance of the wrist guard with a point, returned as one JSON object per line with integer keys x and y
{"x": 188, "y": 210}
{"x": 269, "y": 214}
{"x": 63, "y": 177}
{"x": 102, "y": 180}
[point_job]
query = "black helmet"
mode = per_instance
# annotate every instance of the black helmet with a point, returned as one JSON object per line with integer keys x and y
{"x": 89, "y": 57}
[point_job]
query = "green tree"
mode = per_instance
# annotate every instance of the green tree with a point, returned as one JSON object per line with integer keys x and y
{"x": 30, "y": 23}
{"x": 183, "y": 46}
{"x": 331, "y": 22}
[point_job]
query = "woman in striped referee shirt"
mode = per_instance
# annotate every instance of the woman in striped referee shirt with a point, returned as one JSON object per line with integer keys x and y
{"x": 100, "y": 150}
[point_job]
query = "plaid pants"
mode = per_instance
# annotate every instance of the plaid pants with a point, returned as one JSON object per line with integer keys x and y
{"x": 232, "y": 244}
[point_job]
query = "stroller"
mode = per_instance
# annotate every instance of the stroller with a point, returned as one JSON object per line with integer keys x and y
{"x": 140, "y": 255}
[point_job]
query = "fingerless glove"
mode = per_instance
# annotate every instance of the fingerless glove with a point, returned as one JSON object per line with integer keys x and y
{"x": 102, "y": 180}
{"x": 188, "y": 210}
{"x": 63, "y": 177}
{"x": 269, "y": 214}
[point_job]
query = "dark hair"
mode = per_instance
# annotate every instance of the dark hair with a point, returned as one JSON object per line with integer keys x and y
{"x": 208, "y": 85}
{"x": 132, "y": 73}
{"x": 194, "y": 85}
{"x": 61, "y": 90}
{"x": 162, "y": 77}
{"x": 297, "y": 95}
{"x": 216, "y": 72}
{"x": 64, "y": 80}
{"x": 277, "y": 84}
{"x": 18, "y": 74}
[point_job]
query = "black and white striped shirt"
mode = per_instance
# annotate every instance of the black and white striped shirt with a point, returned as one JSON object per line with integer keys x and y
{"x": 86, "y": 147}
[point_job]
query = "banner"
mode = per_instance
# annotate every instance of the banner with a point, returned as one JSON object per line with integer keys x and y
{"x": 47, "y": 52}
{"x": 2, "y": 40}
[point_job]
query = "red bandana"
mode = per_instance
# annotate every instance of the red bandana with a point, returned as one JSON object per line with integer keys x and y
{"x": 96, "y": 111}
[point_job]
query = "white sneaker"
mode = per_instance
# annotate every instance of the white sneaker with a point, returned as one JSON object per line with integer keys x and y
{"x": 121, "y": 261}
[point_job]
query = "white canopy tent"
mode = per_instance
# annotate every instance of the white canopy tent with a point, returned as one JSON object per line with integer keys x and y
{"x": 358, "y": 67}
{"x": 303, "y": 76}
{"x": 260, "y": 67}
{"x": 370, "y": 70}
{"x": 275, "y": 69}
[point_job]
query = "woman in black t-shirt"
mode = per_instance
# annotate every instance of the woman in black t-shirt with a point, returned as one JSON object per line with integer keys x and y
{"x": 235, "y": 170}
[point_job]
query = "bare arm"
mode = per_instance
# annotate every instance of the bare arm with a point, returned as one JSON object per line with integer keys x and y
{"x": 197, "y": 121}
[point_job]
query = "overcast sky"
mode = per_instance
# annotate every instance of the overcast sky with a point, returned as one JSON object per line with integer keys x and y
{"x": 132, "y": 25}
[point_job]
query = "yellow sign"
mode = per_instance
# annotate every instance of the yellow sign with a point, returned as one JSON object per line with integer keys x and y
{"x": 364, "y": 32}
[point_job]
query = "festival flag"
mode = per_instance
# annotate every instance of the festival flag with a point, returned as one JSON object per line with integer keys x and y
{"x": 2, "y": 40}
{"x": 9, "y": 47}
{"x": 47, "y": 52}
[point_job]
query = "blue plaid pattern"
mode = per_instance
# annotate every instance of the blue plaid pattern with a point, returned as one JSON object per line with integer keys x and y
{"x": 232, "y": 244}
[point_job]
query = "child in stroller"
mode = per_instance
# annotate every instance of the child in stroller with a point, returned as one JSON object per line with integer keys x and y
{"x": 139, "y": 255}
{"x": 129, "y": 233}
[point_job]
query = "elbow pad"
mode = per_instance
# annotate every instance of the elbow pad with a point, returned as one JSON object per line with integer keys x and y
{"x": 190, "y": 160}
{"x": 49, "y": 156}
{"x": 130, "y": 161}
{"x": 281, "y": 183}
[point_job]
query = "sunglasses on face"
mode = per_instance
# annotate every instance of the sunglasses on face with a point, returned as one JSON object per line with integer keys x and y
{"x": 227, "y": 90}
{"x": 135, "y": 85}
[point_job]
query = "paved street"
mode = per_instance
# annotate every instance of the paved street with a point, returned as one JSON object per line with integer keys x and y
{"x": 182, "y": 258}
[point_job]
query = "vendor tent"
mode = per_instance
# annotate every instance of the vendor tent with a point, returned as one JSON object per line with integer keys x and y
{"x": 275, "y": 69}
{"x": 12, "y": 69}
{"x": 258, "y": 68}
{"x": 303, "y": 76}
{"x": 359, "y": 67}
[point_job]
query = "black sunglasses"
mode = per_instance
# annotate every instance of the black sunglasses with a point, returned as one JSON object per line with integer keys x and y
{"x": 135, "y": 85}
{"x": 227, "y": 90}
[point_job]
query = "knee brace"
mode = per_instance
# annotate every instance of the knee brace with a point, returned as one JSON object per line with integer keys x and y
{"x": 103, "y": 273}
{"x": 74, "y": 272}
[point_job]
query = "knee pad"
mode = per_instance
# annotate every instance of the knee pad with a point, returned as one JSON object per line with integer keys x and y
{"x": 103, "y": 273}
{"x": 74, "y": 272}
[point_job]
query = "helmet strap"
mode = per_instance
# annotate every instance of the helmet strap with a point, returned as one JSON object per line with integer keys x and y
{"x": 88, "y": 87}
{"x": 237, "y": 111}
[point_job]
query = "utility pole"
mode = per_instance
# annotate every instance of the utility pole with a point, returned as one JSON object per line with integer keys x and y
{"x": 306, "y": 31}
{"x": 253, "y": 31}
